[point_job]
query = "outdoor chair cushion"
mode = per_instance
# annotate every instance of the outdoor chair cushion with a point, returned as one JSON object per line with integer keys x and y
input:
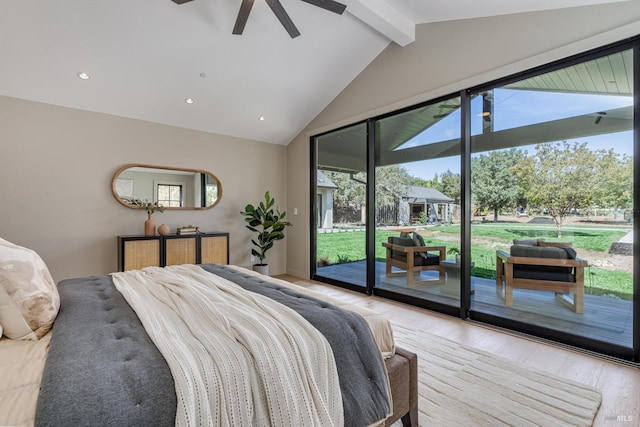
{"x": 420, "y": 258}
{"x": 528, "y": 242}
{"x": 543, "y": 272}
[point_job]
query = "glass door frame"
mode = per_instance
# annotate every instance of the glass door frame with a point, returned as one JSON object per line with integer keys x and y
{"x": 464, "y": 311}
{"x": 313, "y": 209}
{"x": 453, "y": 310}
{"x": 552, "y": 334}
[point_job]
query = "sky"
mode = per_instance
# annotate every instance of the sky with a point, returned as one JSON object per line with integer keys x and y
{"x": 515, "y": 108}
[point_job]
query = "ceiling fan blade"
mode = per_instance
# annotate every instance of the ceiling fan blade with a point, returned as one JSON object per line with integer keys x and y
{"x": 243, "y": 15}
{"x": 181, "y": 1}
{"x": 283, "y": 17}
{"x": 330, "y": 5}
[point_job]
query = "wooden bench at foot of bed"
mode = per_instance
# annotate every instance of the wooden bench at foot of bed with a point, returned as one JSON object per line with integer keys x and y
{"x": 403, "y": 380}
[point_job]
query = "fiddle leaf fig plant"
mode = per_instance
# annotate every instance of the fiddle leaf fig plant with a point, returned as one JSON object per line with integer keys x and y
{"x": 267, "y": 220}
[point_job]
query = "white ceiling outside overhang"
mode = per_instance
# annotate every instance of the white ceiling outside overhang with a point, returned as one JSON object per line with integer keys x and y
{"x": 146, "y": 57}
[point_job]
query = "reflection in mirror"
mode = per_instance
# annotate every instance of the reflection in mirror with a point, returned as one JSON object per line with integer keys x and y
{"x": 173, "y": 188}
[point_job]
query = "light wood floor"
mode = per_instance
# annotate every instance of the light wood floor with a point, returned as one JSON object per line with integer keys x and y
{"x": 619, "y": 383}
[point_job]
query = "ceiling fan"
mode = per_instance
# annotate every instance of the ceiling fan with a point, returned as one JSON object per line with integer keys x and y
{"x": 281, "y": 14}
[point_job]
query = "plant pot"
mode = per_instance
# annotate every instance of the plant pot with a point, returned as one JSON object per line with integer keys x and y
{"x": 458, "y": 257}
{"x": 261, "y": 268}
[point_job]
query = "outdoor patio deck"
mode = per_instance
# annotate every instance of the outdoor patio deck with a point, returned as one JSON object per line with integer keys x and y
{"x": 604, "y": 319}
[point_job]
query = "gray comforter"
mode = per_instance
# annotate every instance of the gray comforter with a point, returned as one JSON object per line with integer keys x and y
{"x": 103, "y": 369}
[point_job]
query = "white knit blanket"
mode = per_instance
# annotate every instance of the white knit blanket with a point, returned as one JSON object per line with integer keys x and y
{"x": 237, "y": 358}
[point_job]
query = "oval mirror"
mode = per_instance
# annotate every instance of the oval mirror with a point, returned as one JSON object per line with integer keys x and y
{"x": 173, "y": 188}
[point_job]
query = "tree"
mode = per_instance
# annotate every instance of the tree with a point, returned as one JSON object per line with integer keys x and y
{"x": 560, "y": 177}
{"x": 351, "y": 189}
{"x": 449, "y": 185}
{"x": 615, "y": 180}
{"x": 390, "y": 182}
{"x": 494, "y": 182}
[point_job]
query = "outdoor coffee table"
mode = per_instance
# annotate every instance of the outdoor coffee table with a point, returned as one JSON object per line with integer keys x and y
{"x": 452, "y": 281}
{"x": 404, "y": 231}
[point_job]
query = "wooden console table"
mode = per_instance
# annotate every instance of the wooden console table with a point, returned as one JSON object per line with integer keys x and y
{"x": 136, "y": 252}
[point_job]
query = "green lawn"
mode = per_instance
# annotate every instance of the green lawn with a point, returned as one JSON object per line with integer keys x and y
{"x": 486, "y": 238}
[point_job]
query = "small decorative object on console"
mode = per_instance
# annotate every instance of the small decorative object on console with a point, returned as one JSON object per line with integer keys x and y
{"x": 163, "y": 229}
{"x": 189, "y": 229}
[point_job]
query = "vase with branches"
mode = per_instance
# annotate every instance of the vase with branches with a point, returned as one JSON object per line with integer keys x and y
{"x": 150, "y": 207}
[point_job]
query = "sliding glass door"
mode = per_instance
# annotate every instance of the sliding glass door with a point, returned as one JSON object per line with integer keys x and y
{"x": 418, "y": 204}
{"x": 511, "y": 203}
{"x": 339, "y": 186}
{"x": 553, "y": 195}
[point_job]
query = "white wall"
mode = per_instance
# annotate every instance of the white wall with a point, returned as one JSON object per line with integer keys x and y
{"x": 56, "y": 166}
{"x": 445, "y": 58}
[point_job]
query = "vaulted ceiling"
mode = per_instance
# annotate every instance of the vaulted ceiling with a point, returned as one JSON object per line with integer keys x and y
{"x": 145, "y": 58}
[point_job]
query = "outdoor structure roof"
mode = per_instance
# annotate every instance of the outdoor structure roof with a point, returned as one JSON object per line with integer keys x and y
{"x": 608, "y": 75}
{"x": 418, "y": 194}
{"x": 324, "y": 182}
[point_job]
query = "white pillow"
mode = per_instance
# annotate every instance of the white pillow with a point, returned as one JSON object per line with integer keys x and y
{"x": 29, "y": 299}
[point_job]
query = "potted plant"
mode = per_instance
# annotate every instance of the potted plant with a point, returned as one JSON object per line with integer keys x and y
{"x": 150, "y": 207}
{"x": 456, "y": 251}
{"x": 268, "y": 222}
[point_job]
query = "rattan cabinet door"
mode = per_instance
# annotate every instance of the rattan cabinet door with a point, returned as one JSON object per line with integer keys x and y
{"x": 137, "y": 254}
{"x": 214, "y": 249}
{"x": 180, "y": 250}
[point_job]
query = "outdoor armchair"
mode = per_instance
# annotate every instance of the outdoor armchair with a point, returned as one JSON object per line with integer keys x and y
{"x": 403, "y": 253}
{"x": 543, "y": 267}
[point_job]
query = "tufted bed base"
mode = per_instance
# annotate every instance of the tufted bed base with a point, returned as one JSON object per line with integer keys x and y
{"x": 116, "y": 384}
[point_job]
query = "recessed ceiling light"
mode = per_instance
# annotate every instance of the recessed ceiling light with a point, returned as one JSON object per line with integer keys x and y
{"x": 262, "y": 118}
{"x": 189, "y": 101}
{"x": 83, "y": 76}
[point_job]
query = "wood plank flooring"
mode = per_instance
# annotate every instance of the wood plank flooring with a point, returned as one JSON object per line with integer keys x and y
{"x": 618, "y": 382}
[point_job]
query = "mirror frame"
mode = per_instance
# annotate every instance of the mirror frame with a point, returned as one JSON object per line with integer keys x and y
{"x": 139, "y": 165}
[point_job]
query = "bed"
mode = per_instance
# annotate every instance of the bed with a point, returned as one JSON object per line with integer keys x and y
{"x": 101, "y": 364}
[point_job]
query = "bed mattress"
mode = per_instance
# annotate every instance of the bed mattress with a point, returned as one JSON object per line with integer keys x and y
{"x": 21, "y": 364}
